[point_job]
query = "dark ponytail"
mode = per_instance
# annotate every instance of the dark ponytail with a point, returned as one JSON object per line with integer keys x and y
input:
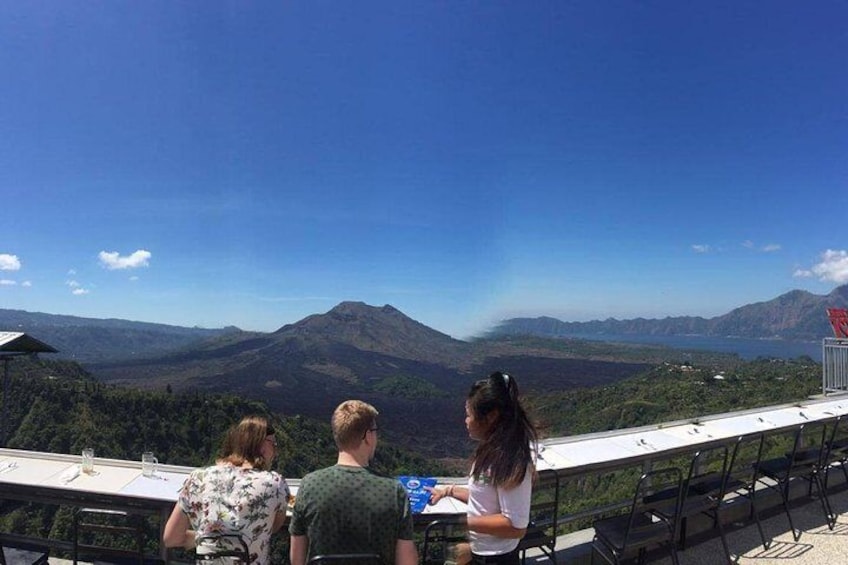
{"x": 507, "y": 452}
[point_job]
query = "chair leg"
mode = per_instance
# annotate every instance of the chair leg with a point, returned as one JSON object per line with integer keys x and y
{"x": 784, "y": 493}
{"x": 674, "y": 558}
{"x": 753, "y": 495}
{"x": 723, "y": 538}
{"x": 828, "y": 511}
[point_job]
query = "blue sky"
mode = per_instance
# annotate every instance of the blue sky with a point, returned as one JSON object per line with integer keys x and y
{"x": 231, "y": 163}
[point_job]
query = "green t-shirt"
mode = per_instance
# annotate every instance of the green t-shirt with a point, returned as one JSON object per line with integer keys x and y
{"x": 351, "y": 510}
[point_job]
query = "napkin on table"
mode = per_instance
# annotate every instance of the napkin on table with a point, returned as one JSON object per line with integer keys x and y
{"x": 70, "y": 474}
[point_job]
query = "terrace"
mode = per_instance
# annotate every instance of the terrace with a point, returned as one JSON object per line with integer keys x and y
{"x": 576, "y": 461}
{"x": 602, "y": 454}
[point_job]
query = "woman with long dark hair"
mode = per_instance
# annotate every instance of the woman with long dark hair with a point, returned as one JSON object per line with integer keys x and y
{"x": 502, "y": 470}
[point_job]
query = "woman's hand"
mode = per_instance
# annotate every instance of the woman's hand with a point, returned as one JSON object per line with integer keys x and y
{"x": 436, "y": 493}
{"x": 453, "y": 491}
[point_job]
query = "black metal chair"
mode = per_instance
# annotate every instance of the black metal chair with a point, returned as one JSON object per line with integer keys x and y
{"x": 544, "y": 512}
{"x": 837, "y": 449}
{"x": 221, "y": 548}
{"x": 649, "y": 522}
{"x": 346, "y": 559}
{"x": 737, "y": 482}
{"x": 20, "y": 555}
{"x": 806, "y": 461}
{"x": 439, "y": 537}
{"x": 122, "y": 528}
{"x": 703, "y": 491}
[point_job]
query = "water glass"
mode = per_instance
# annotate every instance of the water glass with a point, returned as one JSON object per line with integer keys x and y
{"x": 87, "y": 460}
{"x": 149, "y": 463}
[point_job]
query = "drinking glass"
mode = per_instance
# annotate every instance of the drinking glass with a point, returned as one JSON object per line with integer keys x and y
{"x": 87, "y": 460}
{"x": 149, "y": 463}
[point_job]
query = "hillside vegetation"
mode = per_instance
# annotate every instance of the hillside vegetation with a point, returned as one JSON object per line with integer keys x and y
{"x": 670, "y": 392}
{"x": 55, "y": 406}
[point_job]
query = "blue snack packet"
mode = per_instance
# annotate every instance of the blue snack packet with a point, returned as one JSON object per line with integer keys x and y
{"x": 418, "y": 496}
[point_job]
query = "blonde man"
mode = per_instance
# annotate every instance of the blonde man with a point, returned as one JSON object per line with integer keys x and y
{"x": 346, "y": 508}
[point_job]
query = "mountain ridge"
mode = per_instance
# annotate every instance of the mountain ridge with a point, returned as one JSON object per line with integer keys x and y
{"x": 101, "y": 339}
{"x": 794, "y": 315}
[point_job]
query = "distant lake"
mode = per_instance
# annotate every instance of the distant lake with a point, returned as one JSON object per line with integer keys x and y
{"x": 746, "y": 348}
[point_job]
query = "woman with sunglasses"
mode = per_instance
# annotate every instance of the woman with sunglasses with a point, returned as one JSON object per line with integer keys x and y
{"x": 239, "y": 495}
{"x": 502, "y": 470}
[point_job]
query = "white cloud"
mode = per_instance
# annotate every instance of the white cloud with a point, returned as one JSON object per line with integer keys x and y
{"x": 700, "y": 248}
{"x": 767, "y": 248}
{"x": 133, "y": 278}
{"x": 833, "y": 266}
{"x": 72, "y": 272}
{"x": 9, "y": 262}
{"x": 7, "y": 282}
{"x": 113, "y": 261}
{"x": 76, "y": 287}
{"x": 802, "y": 273}
{"x": 26, "y": 284}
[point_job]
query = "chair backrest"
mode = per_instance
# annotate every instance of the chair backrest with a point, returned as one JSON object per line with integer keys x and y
{"x": 708, "y": 471}
{"x": 439, "y": 536}
{"x": 667, "y": 479}
{"x": 104, "y": 533}
{"x": 837, "y": 440}
{"x": 810, "y": 445}
{"x": 223, "y": 548}
{"x": 346, "y": 559}
{"x": 544, "y": 512}
{"x": 747, "y": 454}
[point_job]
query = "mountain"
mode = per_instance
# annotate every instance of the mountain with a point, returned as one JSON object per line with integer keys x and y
{"x": 796, "y": 315}
{"x": 384, "y": 330}
{"x": 91, "y": 339}
{"x": 409, "y": 371}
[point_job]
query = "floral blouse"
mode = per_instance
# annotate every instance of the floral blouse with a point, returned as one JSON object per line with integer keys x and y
{"x": 228, "y": 499}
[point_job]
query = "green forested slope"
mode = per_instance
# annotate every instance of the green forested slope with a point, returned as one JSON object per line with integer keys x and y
{"x": 671, "y": 392}
{"x": 55, "y": 406}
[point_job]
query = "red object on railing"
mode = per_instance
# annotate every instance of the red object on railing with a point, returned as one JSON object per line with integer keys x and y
{"x": 839, "y": 320}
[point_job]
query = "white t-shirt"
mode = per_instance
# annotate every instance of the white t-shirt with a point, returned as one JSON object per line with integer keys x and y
{"x": 484, "y": 500}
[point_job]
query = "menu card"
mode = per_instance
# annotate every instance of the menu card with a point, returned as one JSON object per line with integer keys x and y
{"x": 418, "y": 496}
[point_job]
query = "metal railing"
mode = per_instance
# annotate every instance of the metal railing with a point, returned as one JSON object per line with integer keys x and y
{"x": 834, "y": 365}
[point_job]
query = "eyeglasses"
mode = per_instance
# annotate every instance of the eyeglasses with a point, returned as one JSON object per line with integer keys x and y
{"x": 374, "y": 429}
{"x": 272, "y": 441}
